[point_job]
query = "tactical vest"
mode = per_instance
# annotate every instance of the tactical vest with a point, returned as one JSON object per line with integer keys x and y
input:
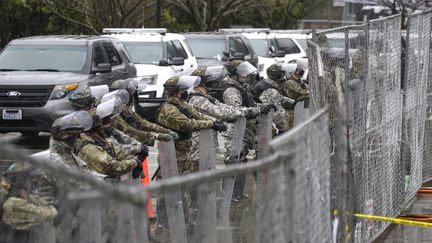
{"x": 208, "y": 97}
{"x": 260, "y": 87}
{"x": 247, "y": 98}
{"x": 184, "y": 111}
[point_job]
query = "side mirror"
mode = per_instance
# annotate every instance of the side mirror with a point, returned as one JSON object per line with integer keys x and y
{"x": 163, "y": 63}
{"x": 225, "y": 53}
{"x": 279, "y": 53}
{"x": 103, "y": 68}
{"x": 272, "y": 49}
{"x": 177, "y": 61}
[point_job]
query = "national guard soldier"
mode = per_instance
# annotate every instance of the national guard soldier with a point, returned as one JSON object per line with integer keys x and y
{"x": 133, "y": 124}
{"x": 241, "y": 75}
{"x": 295, "y": 89}
{"x": 65, "y": 131}
{"x": 270, "y": 91}
{"x": 203, "y": 102}
{"x": 98, "y": 151}
{"x": 179, "y": 116}
{"x": 20, "y": 210}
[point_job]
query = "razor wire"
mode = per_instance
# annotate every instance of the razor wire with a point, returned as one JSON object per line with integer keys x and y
{"x": 415, "y": 83}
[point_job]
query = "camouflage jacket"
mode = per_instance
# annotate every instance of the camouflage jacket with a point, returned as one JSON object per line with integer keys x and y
{"x": 129, "y": 144}
{"x": 208, "y": 105}
{"x": 21, "y": 214}
{"x": 171, "y": 115}
{"x": 294, "y": 90}
{"x": 147, "y": 138}
{"x": 104, "y": 156}
{"x": 273, "y": 96}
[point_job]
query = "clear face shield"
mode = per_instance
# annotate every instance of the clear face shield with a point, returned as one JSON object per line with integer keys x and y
{"x": 187, "y": 83}
{"x": 246, "y": 69}
{"x": 99, "y": 91}
{"x": 121, "y": 93}
{"x": 131, "y": 85}
{"x": 215, "y": 73}
{"x": 109, "y": 108}
{"x": 80, "y": 120}
{"x": 289, "y": 68}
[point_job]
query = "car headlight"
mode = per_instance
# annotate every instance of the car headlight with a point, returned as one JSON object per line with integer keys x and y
{"x": 60, "y": 91}
{"x": 151, "y": 80}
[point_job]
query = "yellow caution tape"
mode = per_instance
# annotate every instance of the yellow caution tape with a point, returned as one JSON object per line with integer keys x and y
{"x": 395, "y": 221}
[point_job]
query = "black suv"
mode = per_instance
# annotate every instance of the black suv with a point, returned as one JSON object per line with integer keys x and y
{"x": 215, "y": 48}
{"x": 37, "y": 74}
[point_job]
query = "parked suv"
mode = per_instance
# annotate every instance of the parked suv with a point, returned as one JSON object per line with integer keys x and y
{"x": 37, "y": 74}
{"x": 215, "y": 48}
{"x": 158, "y": 56}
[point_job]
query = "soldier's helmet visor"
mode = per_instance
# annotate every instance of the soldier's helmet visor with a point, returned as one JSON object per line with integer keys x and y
{"x": 109, "y": 108}
{"x": 120, "y": 93}
{"x": 288, "y": 68}
{"x": 188, "y": 82}
{"x": 245, "y": 69}
{"x": 302, "y": 64}
{"x": 80, "y": 120}
{"x": 131, "y": 85}
{"x": 216, "y": 72}
{"x": 99, "y": 91}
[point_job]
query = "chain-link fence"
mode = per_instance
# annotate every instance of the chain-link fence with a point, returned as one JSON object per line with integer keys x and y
{"x": 386, "y": 125}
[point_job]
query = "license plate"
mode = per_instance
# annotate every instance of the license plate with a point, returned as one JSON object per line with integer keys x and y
{"x": 12, "y": 114}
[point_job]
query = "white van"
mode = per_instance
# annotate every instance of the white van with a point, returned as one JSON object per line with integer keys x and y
{"x": 158, "y": 56}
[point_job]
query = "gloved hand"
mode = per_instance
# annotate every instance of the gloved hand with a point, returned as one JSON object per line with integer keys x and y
{"x": 304, "y": 85}
{"x": 174, "y": 135}
{"x": 273, "y": 107}
{"x": 143, "y": 154}
{"x": 249, "y": 114}
{"x": 219, "y": 126}
{"x": 137, "y": 171}
{"x": 297, "y": 101}
{"x": 265, "y": 109}
{"x": 164, "y": 137}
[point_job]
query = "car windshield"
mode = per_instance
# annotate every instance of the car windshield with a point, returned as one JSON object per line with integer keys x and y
{"x": 288, "y": 45}
{"x": 260, "y": 46}
{"x": 145, "y": 52}
{"x": 206, "y": 48}
{"x": 44, "y": 58}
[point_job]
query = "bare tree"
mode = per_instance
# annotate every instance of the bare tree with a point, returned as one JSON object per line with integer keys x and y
{"x": 96, "y": 14}
{"x": 403, "y": 6}
{"x": 207, "y": 15}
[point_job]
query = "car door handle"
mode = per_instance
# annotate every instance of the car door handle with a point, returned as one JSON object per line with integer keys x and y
{"x": 191, "y": 65}
{"x": 111, "y": 77}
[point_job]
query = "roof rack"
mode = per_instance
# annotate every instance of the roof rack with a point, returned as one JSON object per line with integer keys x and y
{"x": 292, "y": 31}
{"x": 246, "y": 30}
{"x": 161, "y": 31}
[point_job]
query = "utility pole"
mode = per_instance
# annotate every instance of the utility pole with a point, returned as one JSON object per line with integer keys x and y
{"x": 158, "y": 13}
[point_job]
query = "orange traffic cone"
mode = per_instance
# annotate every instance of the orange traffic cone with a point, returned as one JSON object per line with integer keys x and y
{"x": 146, "y": 181}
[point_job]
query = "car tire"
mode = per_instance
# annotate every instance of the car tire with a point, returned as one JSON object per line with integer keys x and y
{"x": 30, "y": 134}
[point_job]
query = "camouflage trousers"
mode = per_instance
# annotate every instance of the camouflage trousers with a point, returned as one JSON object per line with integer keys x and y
{"x": 289, "y": 114}
{"x": 183, "y": 154}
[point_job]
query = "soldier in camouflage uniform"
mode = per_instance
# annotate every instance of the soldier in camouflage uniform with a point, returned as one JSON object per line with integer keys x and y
{"x": 203, "y": 102}
{"x": 133, "y": 124}
{"x": 295, "y": 89}
{"x": 88, "y": 98}
{"x": 182, "y": 118}
{"x": 19, "y": 209}
{"x": 65, "y": 132}
{"x": 270, "y": 91}
{"x": 241, "y": 74}
{"x": 98, "y": 151}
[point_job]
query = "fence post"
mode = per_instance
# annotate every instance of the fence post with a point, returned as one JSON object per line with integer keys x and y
{"x": 228, "y": 182}
{"x": 43, "y": 233}
{"x": 299, "y": 113}
{"x": 125, "y": 231}
{"x": 262, "y": 186}
{"x": 173, "y": 199}
{"x": 206, "y": 214}
{"x": 140, "y": 218}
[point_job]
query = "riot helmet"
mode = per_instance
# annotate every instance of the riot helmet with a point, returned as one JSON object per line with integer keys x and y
{"x": 121, "y": 93}
{"x": 109, "y": 108}
{"x": 209, "y": 75}
{"x": 99, "y": 91}
{"x": 181, "y": 84}
{"x": 130, "y": 85}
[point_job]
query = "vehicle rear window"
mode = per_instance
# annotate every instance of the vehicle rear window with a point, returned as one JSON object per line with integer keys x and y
{"x": 144, "y": 52}
{"x": 260, "y": 46}
{"x": 61, "y": 58}
{"x": 288, "y": 45}
{"x": 206, "y": 48}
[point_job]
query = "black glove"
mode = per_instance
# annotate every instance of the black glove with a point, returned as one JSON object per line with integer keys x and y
{"x": 265, "y": 109}
{"x": 137, "y": 171}
{"x": 219, "y": 126}
{"x": 144, "y": 153}
{"x": 273, "y": 107}
{"x": 250, "y": 114}
{"x": 174, "y": 135}
{"x": 297, "y": 101}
